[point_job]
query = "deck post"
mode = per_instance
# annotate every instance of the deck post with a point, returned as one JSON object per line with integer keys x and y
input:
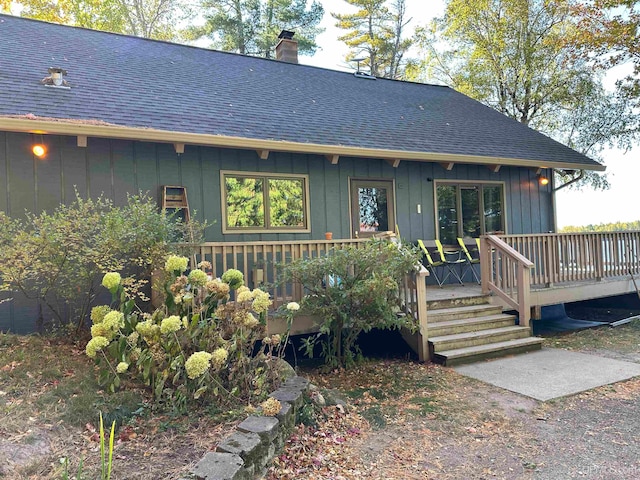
{"x": 599, "y": 258}
{"x": 485, "y": 265}
{"x": 536, "y": 312}
{"x": 524, "y": 295}
{"x": 421, "y": 299}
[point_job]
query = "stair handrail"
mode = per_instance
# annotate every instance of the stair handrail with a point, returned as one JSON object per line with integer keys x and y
{"x": 497, "y": 263}
{"x": 414, "y": 303}
{"x": 413, "y": 300}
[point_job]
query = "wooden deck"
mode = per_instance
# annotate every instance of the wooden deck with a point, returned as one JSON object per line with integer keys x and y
{"x": 540, "y": 295}
{"x": 451, "y": 292}
{"x": 518, "y": 272}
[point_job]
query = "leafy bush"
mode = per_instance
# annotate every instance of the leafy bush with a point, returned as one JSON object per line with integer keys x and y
{"x": 354, "y": 290}
{"x": 200, "y": 346}
{"x": 59, "y": 257}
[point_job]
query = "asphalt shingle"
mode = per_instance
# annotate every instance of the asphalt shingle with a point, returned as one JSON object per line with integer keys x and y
{"x": 135, "y": 82}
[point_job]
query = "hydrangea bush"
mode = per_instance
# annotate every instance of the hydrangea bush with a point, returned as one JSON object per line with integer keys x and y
{"x": 202, "y": 345}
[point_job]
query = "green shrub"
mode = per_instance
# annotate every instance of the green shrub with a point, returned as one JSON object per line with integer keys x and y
{"x": 199, "y": 347}
{"x": 353, "y": 290}
{"x": 59, "y": 257}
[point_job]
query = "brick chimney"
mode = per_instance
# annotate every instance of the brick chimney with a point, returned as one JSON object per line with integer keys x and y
{"x": 287, "y": 47}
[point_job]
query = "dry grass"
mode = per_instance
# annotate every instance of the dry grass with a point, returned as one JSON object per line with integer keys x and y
{"x": 408, "y": 420}
{"x": 623, "y": 339}
{"x": 422, "y": 421}
{"x": 413, "y": 421}
{"x": 49, "y": 406}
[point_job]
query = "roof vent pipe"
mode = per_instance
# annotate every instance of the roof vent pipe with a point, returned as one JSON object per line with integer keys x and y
{"x": 55, "y": 78}
{"x": 287, "y": 47}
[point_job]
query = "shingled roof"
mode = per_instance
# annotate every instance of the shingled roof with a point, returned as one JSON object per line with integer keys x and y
{"x": 145, "y": 84}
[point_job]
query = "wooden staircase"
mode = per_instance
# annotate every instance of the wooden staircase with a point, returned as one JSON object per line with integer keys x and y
{"x": 465, "y": 330}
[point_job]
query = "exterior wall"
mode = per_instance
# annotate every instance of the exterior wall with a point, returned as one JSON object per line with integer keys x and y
{"x": 116, "y": 167}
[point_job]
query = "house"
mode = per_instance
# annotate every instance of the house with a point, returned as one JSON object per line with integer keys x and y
{"x": 354, "y": 154}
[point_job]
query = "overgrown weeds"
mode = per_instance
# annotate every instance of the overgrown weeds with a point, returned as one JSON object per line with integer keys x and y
{"x": 58, "y": 257}
{"x": 352, "y": 290}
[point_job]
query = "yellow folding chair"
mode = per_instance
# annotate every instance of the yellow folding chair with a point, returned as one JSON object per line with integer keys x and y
{"x": 441, "y": 262}
{"x": 471, "y": 260}
{"x": 451, "y": 258}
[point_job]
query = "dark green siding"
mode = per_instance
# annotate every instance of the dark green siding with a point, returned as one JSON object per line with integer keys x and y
{"x": 117, "y": 167}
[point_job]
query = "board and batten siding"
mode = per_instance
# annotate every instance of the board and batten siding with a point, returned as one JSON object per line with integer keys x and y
{"x": 118, "y": 167}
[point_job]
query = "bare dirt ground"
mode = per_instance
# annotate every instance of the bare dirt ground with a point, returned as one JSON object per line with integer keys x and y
{"x": 428, "y": 422}
{"x": 406, "y": 421}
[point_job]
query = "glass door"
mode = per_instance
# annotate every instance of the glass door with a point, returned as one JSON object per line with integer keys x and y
{"x": 372, "y": 207}
{"x": 470, "y": 209}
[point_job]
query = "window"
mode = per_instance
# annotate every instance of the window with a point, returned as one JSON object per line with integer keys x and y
{"x": 259, "y": 202}
{"x": 468, "y": 210}
{"x": 372, "y": 207}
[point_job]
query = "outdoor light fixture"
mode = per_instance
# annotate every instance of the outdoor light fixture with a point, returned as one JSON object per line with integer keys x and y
{"x": 543, "y": 180}
{"x": 39, "y": 150}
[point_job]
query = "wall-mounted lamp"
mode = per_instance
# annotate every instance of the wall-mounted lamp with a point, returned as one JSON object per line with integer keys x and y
{"x": 39, "y": 150}
{"x": 543, "y": 180}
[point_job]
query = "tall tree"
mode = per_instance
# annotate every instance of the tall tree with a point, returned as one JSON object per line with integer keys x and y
{"x": 611, "y": 30}
{"x": 513, "y": 56}
{"x": 377, "y": 33}
{"x": 251, "y": 27}
{"x": 143, "y": 18}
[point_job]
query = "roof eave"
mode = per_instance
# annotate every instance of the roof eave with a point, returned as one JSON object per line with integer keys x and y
{"x": 102, "y": 130}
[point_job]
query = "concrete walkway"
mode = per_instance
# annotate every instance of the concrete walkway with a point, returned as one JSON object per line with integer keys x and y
{"x": 551, "y": 373}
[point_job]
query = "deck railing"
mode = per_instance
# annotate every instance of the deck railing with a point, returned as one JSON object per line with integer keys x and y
{"x": 506, "y": 273}
{"x": 259, "y": 262}
{"x": 573, "y": 257}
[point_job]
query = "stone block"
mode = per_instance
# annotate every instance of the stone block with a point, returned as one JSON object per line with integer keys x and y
{"x": 221, "y": 466}
{"x": 289, "y": 395}
{"x": 300, "y": 383}
{"x": 286, "y": 416}
{"x": 280, "y": 440}
{"x": 248, "y": 446}
{"x": 265, "y": 427}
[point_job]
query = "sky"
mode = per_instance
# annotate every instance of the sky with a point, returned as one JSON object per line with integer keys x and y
{"x": 574, "y": 207}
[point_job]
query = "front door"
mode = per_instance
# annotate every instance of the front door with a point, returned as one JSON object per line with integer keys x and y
{"x": 372, "y": 207}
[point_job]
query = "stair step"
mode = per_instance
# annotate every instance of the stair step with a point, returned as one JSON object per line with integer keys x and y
{"x": 462, "y": 325}
{"x": 457, "y": 301}
{"x": 481, "y": 337}
{"x": 492, "y": 350}
{"x": 467, "y": 311}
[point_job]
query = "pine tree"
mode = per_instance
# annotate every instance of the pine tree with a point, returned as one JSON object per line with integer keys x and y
{"x": 376, "y": 33}
{"x": 251, "y": 27}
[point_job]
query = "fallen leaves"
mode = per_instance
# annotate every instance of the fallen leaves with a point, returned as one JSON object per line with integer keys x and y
{"x": 323, "y": 451}
{"x": 10, "y": 367}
